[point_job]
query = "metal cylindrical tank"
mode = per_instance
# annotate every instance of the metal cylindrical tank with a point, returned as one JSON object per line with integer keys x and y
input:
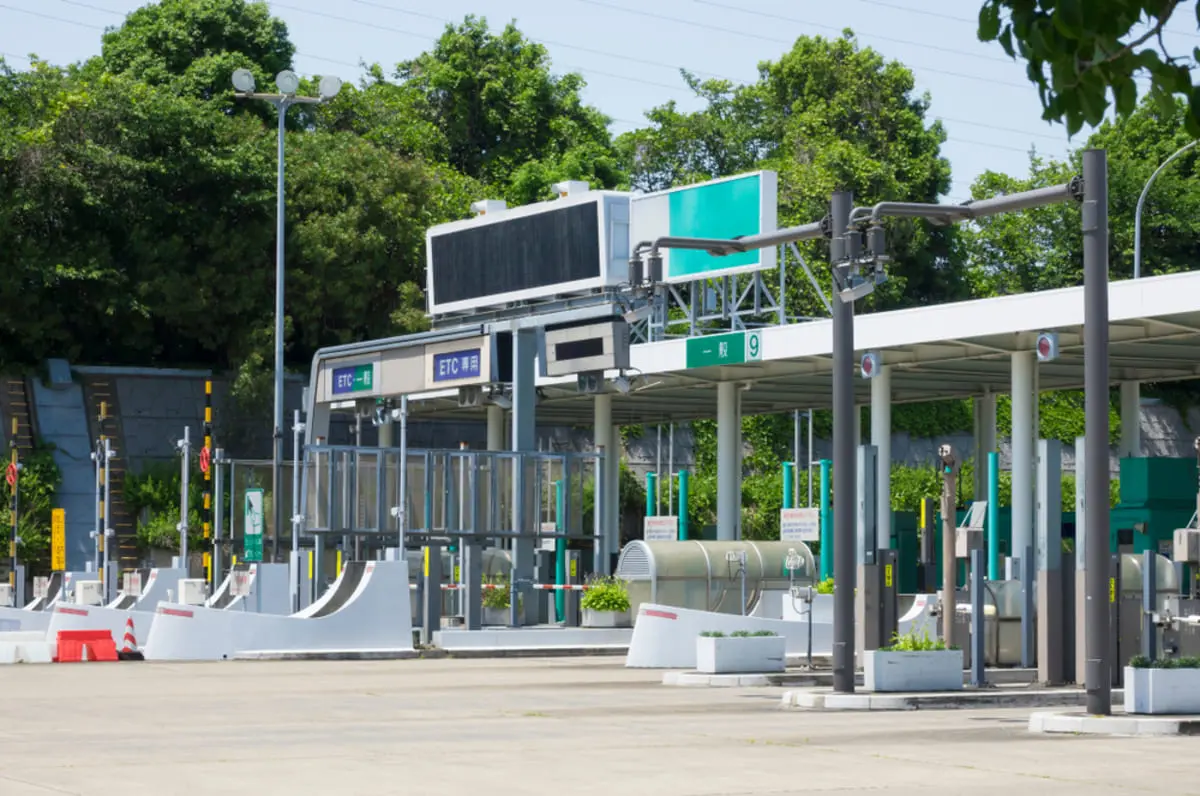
{"x": 706, "y": 576}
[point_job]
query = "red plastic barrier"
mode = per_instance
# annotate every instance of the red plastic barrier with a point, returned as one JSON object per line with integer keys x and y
{"x": 76, "y": 646}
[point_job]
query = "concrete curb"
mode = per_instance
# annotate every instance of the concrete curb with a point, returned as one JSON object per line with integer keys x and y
{"x": 1126, "y": 725}
{"x": 431, "y": 654}
{"x": 698, "y": 679}
{"x": 327, "y": 655}
{"x": 957, "y": 700}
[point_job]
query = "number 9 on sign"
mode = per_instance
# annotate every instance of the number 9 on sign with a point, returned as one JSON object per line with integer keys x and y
{"x": 753, "y": 346}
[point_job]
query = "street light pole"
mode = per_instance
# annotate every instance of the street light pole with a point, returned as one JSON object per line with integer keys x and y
{"x": 1137, "y": 216}
{"x": 288, "y": 83}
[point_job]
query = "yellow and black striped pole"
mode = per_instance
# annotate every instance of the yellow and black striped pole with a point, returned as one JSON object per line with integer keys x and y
{"x": 14, "y": 478}
{"x": 206, "y": 512}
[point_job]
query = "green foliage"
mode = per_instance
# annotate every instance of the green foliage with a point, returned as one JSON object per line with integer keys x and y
{"x": 712, "y": 634}
{"x": 606, "y": 594}
{"x": 498, "y": 115}
{"x": 825, "y": 586}
{"x": 911, "y": 642}
{"x": 753, "y": 634}
{"x": 1142, "y": 662}
{"x": 1078, "y": 51}
{"x": 152, "y": 496}
{"x": 499, "y": 597}
{"x": 37, "y": 486}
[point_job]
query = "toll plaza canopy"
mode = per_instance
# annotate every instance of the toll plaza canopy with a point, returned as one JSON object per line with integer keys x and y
{"x": 952, "y": 350}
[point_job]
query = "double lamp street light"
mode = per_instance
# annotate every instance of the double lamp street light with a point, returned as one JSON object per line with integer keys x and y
{"x": 288, "y": 83}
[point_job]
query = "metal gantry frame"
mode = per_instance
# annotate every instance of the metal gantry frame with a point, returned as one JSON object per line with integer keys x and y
{"x": 856, "y": 269}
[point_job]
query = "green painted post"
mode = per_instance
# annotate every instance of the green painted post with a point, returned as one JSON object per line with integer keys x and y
{"x": 651, "y": 494}
{"x": 993, "y": 515}
{"x": 560, "y": 551}
{"x": 789, "y": 475}
{"x": 826, "y": 522}
{"x": 683, "y": 505}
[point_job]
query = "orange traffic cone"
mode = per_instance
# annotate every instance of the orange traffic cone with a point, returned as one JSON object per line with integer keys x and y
{"x": 129, "y": 650}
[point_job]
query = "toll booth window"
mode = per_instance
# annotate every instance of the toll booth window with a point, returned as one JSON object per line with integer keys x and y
{"x": 1124, "y": 537}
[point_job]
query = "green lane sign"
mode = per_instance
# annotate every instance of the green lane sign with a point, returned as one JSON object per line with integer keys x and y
{"x": 254, "y": 523}
{"x": 731, "y": 348}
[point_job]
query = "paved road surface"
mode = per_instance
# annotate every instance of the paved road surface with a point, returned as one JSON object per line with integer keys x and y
{"x": 528, "y": 727}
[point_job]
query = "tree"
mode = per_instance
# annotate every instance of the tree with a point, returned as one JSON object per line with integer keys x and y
{"x": 193, "y": 46}
{"x": 1078, "y": 51}
{"x": 501, "y": 117}
{"x": 1039, "y": 249}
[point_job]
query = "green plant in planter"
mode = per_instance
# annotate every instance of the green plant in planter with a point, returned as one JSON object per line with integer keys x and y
{"x": 606, "y": 594}
{"x": 498, "y": 598}
{"x": 713, "y": 634}
{"x": 911, "y": 642}
{"x": 753, "y": 633}
{"x": 825, "y": 586}
{"x": 1142, "y": 662}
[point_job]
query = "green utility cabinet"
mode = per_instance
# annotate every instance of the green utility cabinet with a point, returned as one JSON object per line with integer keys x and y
{"x": 1157, "y": 495}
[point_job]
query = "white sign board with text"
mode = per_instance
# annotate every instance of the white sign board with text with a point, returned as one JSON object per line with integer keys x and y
{"x": 800, "y": 525}
{"x": 661, "y": 529}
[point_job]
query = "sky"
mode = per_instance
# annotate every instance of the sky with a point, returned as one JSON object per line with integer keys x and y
{"x": 630, "y": 53}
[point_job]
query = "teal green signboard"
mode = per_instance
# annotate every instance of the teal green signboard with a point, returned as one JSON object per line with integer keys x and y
{"x": 732, "y": 348}
{"x": 727, "y": 208}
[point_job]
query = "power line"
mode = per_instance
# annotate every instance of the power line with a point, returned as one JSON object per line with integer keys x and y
{"x": 621, "y": 57}
{"x": 427, "y": 38}
{"x": 552, "y": 43}
{"x": 975, "y": 20}
{"x": 51, "y": 17}
{"x": 747, "y": 34}
{"x": 835, "y": 28}
{"x": 92, "y": 7}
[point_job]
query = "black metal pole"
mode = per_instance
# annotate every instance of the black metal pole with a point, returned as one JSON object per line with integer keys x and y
{"x": 844, "y": 485}
{"x": 1096, "y": 406}
{"x": 206, "y": 509}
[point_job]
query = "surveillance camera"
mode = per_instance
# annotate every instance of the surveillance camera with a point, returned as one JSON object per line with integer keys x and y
{"x": 858, "y": 289}
{"x": 639, "y": 313}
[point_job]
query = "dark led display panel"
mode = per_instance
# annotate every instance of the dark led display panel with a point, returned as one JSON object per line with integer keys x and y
{"x": 515, "y": 254}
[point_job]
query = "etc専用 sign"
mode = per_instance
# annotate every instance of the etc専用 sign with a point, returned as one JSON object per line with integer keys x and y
{"x": 456, "y": 365}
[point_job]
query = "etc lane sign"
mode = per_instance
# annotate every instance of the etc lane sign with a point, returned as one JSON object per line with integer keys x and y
{"x": 459, "y": 363}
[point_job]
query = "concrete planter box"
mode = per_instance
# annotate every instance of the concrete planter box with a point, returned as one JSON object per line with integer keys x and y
{"x": 931, "y": 670}
{"x": 495, "y": 616}
{"x": 1162, "y": 691}
{"x": 740, "y": 654}
{"x": 592, "y": 618}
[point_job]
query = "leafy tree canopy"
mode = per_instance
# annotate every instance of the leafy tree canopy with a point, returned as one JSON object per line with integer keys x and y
{"x": 1079, "y": 52}
{"x": 500, "y": 116}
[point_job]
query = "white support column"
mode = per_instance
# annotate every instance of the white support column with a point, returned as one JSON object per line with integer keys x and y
{"x": 857, "y": 427}
{"x": 729, "y": 471}
{"x": 984, "y": 411}
{"x": 881, "y": 438}
{"x": 386, "y": 433}
{"x": 1022, "y": 451}
{"x": 614, "y": 493}
{"x": 495, "y": 428}
{"x": 1131, "y": 419}
{"x": 603, "y": 430}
